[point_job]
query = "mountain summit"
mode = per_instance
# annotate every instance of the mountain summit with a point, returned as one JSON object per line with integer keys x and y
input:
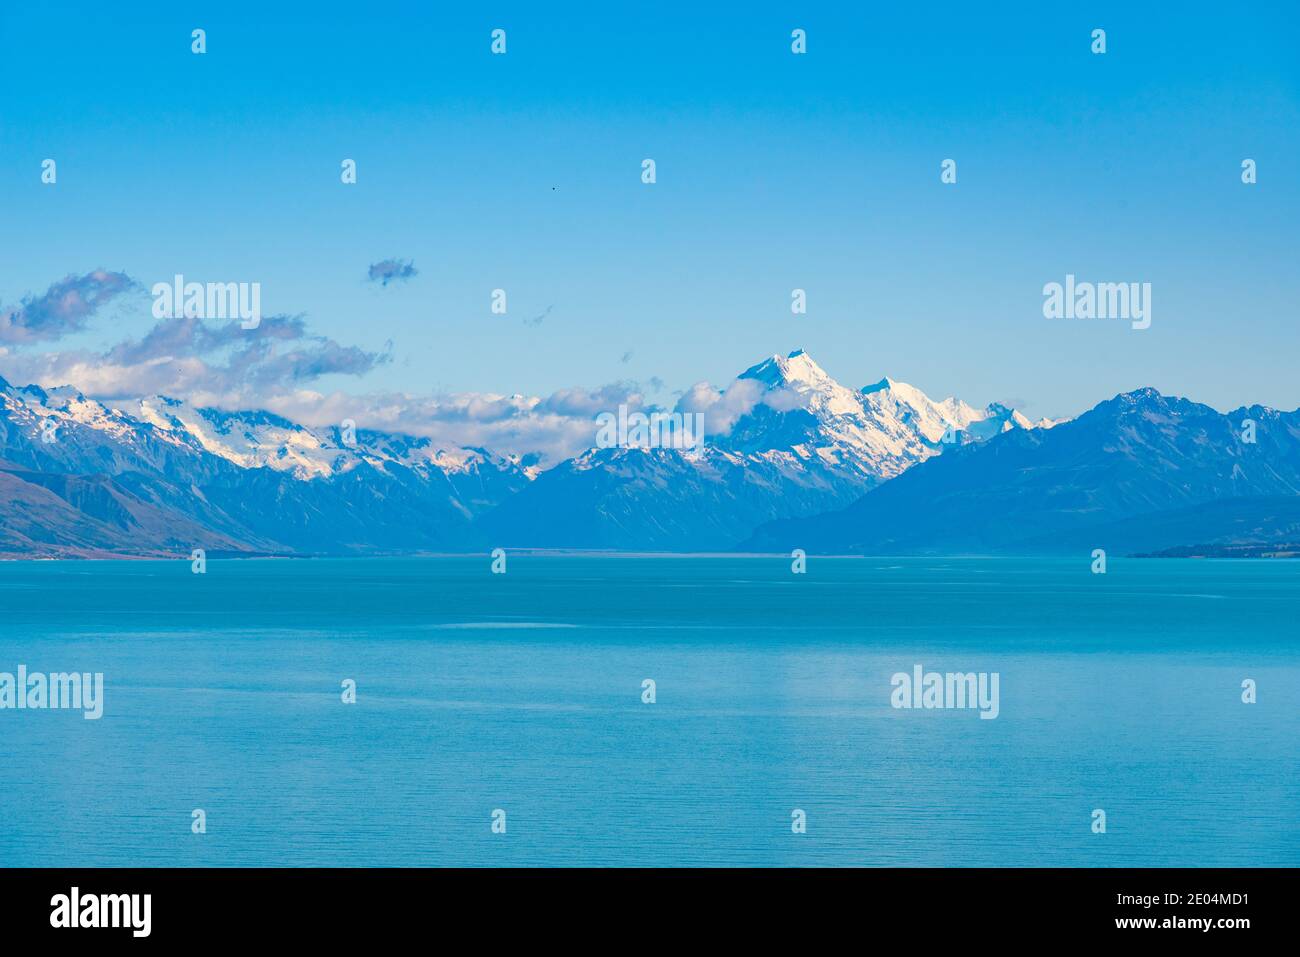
{"x": 798, "y": 444}
{"x": 878, "y": 431}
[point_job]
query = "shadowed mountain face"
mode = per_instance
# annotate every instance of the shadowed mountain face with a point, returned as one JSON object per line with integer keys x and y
{"x": 1141, "y": 472}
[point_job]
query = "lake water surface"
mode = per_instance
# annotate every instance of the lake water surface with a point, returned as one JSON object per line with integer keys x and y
{"x": 523, "y": 692}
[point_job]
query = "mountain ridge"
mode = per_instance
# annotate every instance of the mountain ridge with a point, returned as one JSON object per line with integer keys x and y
{"x": 792, "y": 458}
{"x": 1126, "y": 465}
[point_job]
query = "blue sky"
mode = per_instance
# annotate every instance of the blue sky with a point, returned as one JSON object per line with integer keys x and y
{"x": 775, "y": 171}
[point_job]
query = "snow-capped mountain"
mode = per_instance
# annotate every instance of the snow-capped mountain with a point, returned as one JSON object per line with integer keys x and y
{"x": 1141, "y": 472}
{"x": 258, "y": 439}
{"x": 879, "y": 430}
{"x": 161, "y": 476}
{"x": 807, "y": 444}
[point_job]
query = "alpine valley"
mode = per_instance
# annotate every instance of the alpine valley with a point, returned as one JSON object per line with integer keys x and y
{"x": 802, "y": 462}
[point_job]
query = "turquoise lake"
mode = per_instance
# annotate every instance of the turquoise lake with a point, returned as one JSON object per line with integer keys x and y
{"x": 523, "y": 692}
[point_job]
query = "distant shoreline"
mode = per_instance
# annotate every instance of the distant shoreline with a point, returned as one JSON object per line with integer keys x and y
{"x": 1275, "y": 552}
{"x": 1278, "y": 550}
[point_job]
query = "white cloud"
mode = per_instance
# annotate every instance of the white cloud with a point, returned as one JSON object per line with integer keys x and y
{"x": 722, "y": 408}
{"x": 275, "y": 365}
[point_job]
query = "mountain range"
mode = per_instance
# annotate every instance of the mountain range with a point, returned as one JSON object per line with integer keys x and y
{"x": 801, "y": 461}
{"x": 160, "y": 477}
{"x": 807, "y": 444}
{"x": 1141, "y": 472}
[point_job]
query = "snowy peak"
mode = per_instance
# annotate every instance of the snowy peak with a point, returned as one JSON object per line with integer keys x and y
{"x": 890, "y": 398}
{"x": 259, "y": 439}
{"x": 247, "y": 439}
{"x": 808, "y": 384}
{"x": 797, "y": 368}
{"x": 785, "y": 439}
{"x": 879, "y": 430}
{"x": 62, "y": 425}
